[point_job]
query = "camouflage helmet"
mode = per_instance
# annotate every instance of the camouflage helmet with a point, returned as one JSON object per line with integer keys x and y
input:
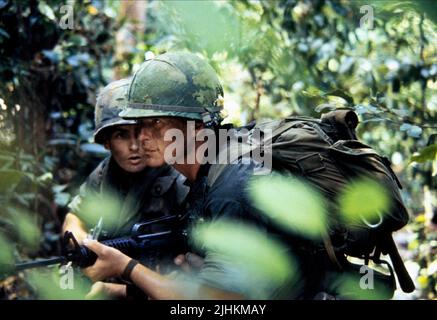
{"x": 177, "y": 85}
{"x": 110, "y": 102}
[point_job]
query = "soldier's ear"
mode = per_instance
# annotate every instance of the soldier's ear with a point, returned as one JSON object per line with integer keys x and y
{"x": 106, "y": 144}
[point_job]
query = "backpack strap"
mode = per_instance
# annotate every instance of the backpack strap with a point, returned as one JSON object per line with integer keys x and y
{"x": 243, "y": 149}
{"x": 227, "y": 154}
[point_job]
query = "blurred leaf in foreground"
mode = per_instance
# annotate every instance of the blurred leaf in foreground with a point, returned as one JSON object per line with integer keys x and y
{"x": 360, "y": 286}
{"x": 27, "y": 228}
{"x": 291, "y": 204}
{"x": 58, "y": 283}
{"x": 105, "y": 205}
{"x": 250, "y": 261}
{"x": 6, "y": 255}
{"x": 363, "y": 199}
{"x": 9, "y": 179}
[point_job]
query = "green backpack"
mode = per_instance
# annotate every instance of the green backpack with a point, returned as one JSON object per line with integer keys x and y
{"x": 327, "y": 154}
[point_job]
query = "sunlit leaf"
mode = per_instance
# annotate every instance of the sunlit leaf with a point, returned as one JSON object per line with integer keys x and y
{"x": 58, "y": 283}
{"x": 313, "y": 92}
{"x": 291, "y": 204}
{"x": 342, "y": 94}
{"x": 107, "y": 206}
{"x": 245, "y": 253}
{"x": 46, "y": 177}
{"x": 92, "y": 10}
{"x": 46, "y": 10}
{"x": 212, "y": 24}
{"x": 362, "y": 286}
{"x": 428, "y": 153}
{"x": 363, "y": 198}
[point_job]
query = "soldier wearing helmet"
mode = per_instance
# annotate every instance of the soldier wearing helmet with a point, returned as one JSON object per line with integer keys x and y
{"x": 142, "y": 192}
{"x": 170, "y": 92}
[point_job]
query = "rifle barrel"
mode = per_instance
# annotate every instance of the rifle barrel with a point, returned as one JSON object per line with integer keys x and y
{"x": 39, "y": 263}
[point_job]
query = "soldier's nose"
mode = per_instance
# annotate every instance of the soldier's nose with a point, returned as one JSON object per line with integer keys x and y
{"x": 144, "y": 135}
{"x": 135, "y": 144}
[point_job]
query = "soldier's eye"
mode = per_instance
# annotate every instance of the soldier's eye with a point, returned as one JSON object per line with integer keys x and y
{"x": 151, "y": 123}
{"x": 121, "y": 135}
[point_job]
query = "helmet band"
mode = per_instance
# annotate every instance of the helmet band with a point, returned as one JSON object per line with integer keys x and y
{"x": 160, "y": 107}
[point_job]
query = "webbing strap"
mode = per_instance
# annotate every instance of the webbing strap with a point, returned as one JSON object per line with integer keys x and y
{"x": 216, "y": 169}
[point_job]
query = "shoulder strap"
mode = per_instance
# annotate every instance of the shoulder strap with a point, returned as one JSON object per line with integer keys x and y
{"x": 234, "y": 154}
{"x": 96, "y": 179}
{"x": 227, "y": 154}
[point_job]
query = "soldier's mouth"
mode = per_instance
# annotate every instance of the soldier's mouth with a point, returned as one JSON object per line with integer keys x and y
{"x": 134, "y": 159}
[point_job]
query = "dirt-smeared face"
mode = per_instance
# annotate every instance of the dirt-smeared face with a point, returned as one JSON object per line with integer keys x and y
{"x": 152, "y": 135}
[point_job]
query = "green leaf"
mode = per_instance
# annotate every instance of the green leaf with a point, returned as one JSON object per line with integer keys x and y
{"x": 55, "y": 283}
{"x": 363, "y": 199}
{"x": 27, "y": 228}
{"x": 290, "y": 203}
{"x": 94, "y": 206}
{"x": 254, "y": 247}
{"x": 426, "y": 154}
{"x": 9, "y": 179}
{"x": 341, "y": 94}
{"x": 45, "y": 178}
{"x": 46, "y": 10}
{"x": 313, "y": 92}
{"x": 6, "y": 253}
{"x": 361, "y": 286}
{"x": 244, "y": 253}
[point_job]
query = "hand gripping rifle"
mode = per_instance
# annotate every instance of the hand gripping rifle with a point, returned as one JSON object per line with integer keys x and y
{"x": 142, "y": 239}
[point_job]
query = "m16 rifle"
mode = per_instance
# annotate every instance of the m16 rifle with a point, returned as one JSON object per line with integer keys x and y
{"x": 156, "y": 234}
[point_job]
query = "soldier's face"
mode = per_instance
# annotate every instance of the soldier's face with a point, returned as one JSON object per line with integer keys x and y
{"x": 126, "y": 148}
{"x": 152, "y": 138}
